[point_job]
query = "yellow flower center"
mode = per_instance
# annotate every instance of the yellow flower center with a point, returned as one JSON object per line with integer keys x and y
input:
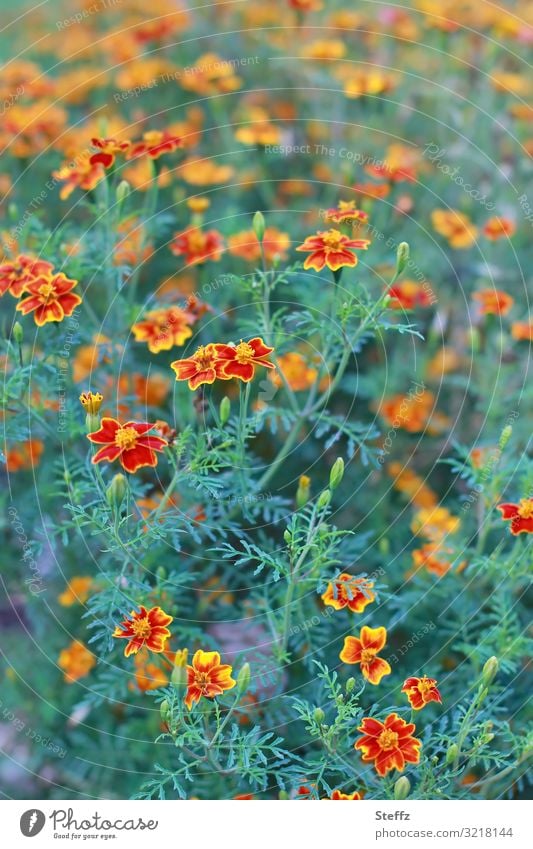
{"x": 332, "y": 239}
{"x": 196, "y": 241}
{"x": 202, "y": 680}
{"x": 46, "y": 290}
{"x": 244, "y": 352}
{"x": 204, "y": 357}
{"x": 525, "y": 508}
{"x": 424, "y": 686}
{"x": 141, "y": 627}
{"x": 388, "y": 739}
{"x": 126, "y": 437}
{"x": 367, "y": 655}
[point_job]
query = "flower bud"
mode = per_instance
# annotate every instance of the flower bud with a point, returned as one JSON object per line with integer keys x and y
{"x": 164, "y": 710}
{"x": 490, "y": 670}
{"x": 116, "y": 491}
{"x": 402, "y": 788}
{"x": 91, "y": 402}
{"x": 504, "y": 438}
{"x": 178, "y": 678}
{"x": 452, "y": 754}
{"x": 18, "y": 333}
{"x": 336, "y": 474}
{"x": 283, "y": 795}
{"x": 287, "y": 536}
{"x": 258, "y": 224}
{"x": 323, "y": 499}
{"x": 243, "y": 678}
{"x": 350, "y": 684}
{"x": 304, "y": 490}
{"x": 319, "y": 715}
{"x": 402, "y": 257}
{"x": 123, "y": 190}
{"x": 224, "y": 410}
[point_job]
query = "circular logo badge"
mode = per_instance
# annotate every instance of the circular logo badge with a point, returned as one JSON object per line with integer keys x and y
{"x": 32, "y": 822}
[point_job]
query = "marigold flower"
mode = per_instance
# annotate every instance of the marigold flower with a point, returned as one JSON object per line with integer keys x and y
{"x": 246, "y": 245}
{"x": 454, "y": 226}
{"x": 207, "y": 677}
{"x": 148, "y": 675}
{"x": 197, "y": 246}
{"x": 204, "y": 366}
{"x": 411, "y": 485}
{"x": 345, "y": 211}
{"x": 358, "y": 83}
{"x": 435, "y": 523}
{"x": 50, "y": 298}
{"x": 296, "y": 370}
{"x": 129, "y": 443}
{"x": 91, "y": 402}
{"x": 339, "y": 795}
{"x": 521, "y": 515}
{"x": 493, "y": 301}
{"x": 522, "y": 331}
{"x": 145, "y": 628}
{"x": 15, "y": 275}
{"x": 331, "y": 248}
{"x": 240, "y": 360}
{"x": 80, "y": 174}
{"x": 163, "y": 329}
{"x": 107, "y": 151}
{"x": 390, "y": 744}
{"x": 421, "y": 691}
{"x": 407, "y": 295}
{"x": 496, "y": 228}
{"x": 349, "y": 591}
{"x": 77, "y": 591}
{"x": 364, "y": 650}
{"x": 375, "y": 191}
{"x": 76, "y": 661}
{"x": 210, "y": 75}
{"x": 432, "y": 557}
{"x": 154, "y": 143}
{"x": 25, "y": 455}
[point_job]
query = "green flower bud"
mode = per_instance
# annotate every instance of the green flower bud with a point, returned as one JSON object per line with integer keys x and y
{"x": 123, "y": 190}
{"x": 505, "y": 437}
{"x": 323, "y": 499}
{"x": 243, "y": 678}
{"x": 336, "y": 474}
{"x": 350, "y": 684}
{"x": 164, "y": 710}
{"x": 319, "y": 715}
{"x": 116, "y": 491}
{"x": 402, "y": 788}
{"x": 18, "y": 333}
{"x": 402, "y": 257}
{"x": 161, "y": 573}
{"x": 283, "y": 795}
{"x": 287, "y": 536}
{"x": 482, "y": 696}
{"x": 178, "y": 678}
{"x": 452, "y": 754}
{"x": 258, "y": 224}
{"x": 490, "y": 670}
{"x": 304, "y": 490}
{"x": 224, "y": 410}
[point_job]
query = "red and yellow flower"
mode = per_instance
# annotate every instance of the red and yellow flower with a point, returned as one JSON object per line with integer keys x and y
{"x": 331, "y": 248}
{"x": 389, "y": 744}
{"x": 421, "y": 691}
{"x": 339, "y": 795}
{"x": 50, "y": 298}
{"x": 80, "y": 174}
{"x": 204, "y": 366}
{"x": 163, "y": 329}
{"x": 76, "y": 661}
{"x": 15, "y": 275}
{"x": 498, "y": 228}
{"x": 154, "y": 143}
{"x": 364, "y": 650}
{"x": 240, "y": 360}
{"x": 349, "y": 592}
{"x": 207, "y": 677}
{"x": 107, "y": 151}
{"x": 246, "y": 245}
{"x": 345, "y": 211}
{"x": 520, "y": 515}
{"x": 145, "y": 628}
{"x": 493, "y": 301}
{"x": 455, "y": 226}
{"x": 129, "y": 443}
{"x": 408, "y": 294}
{"x": 197, "y": 246}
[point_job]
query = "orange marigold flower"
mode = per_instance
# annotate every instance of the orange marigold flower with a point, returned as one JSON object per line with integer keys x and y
{"x": 389, "y": 744}
{"x": 107, "y": 151}
{"x": 163, "y": 329}
{"x": 204, "y": 366}
{"x": 15, "y": 275}
{"x": 154, "y": 143}
{"x": 50, "y": 298}
{"x": 77, "y": 591}
{"x": 197, "y": 245}
{"x": 144, "y": 628}
{"x": 435, "y": 523}
{"x": 345, "y": 211}
{"x": 338, "y": 795}
{"x": 376, "y": 191}
{"x": 91, "y": 402}
{"x": 364, "y": 650}
{"x": 210, "y": 75}
{"x": 80, "y": 174}
{"x": 240, "y": 360}
{"x": 76, "y": 661}
{"x": 358, "y": 83}
{"x": 412, "y": 485}
{"x": 496, "y": 228}
{"x": 331, "y": 248}
{"x": 434, "y": 558}
{"x": 522, "y": 331}
{"x": 295, "y": 369}
{"x": 148, "y": 675}
{"x": 454, "y": 226}
{"x": 408, "y": 295}
{"x": 349, "y": 591}
{"x": 521, "y": 516}
{"x": 207, "y": 677}
{"x": 129, "y": 443}
{"x": 25, "y": 455}
{"x": 493, "y": 302}
{"x": 421, "y": 691}
{"x": 246, "y": 245}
